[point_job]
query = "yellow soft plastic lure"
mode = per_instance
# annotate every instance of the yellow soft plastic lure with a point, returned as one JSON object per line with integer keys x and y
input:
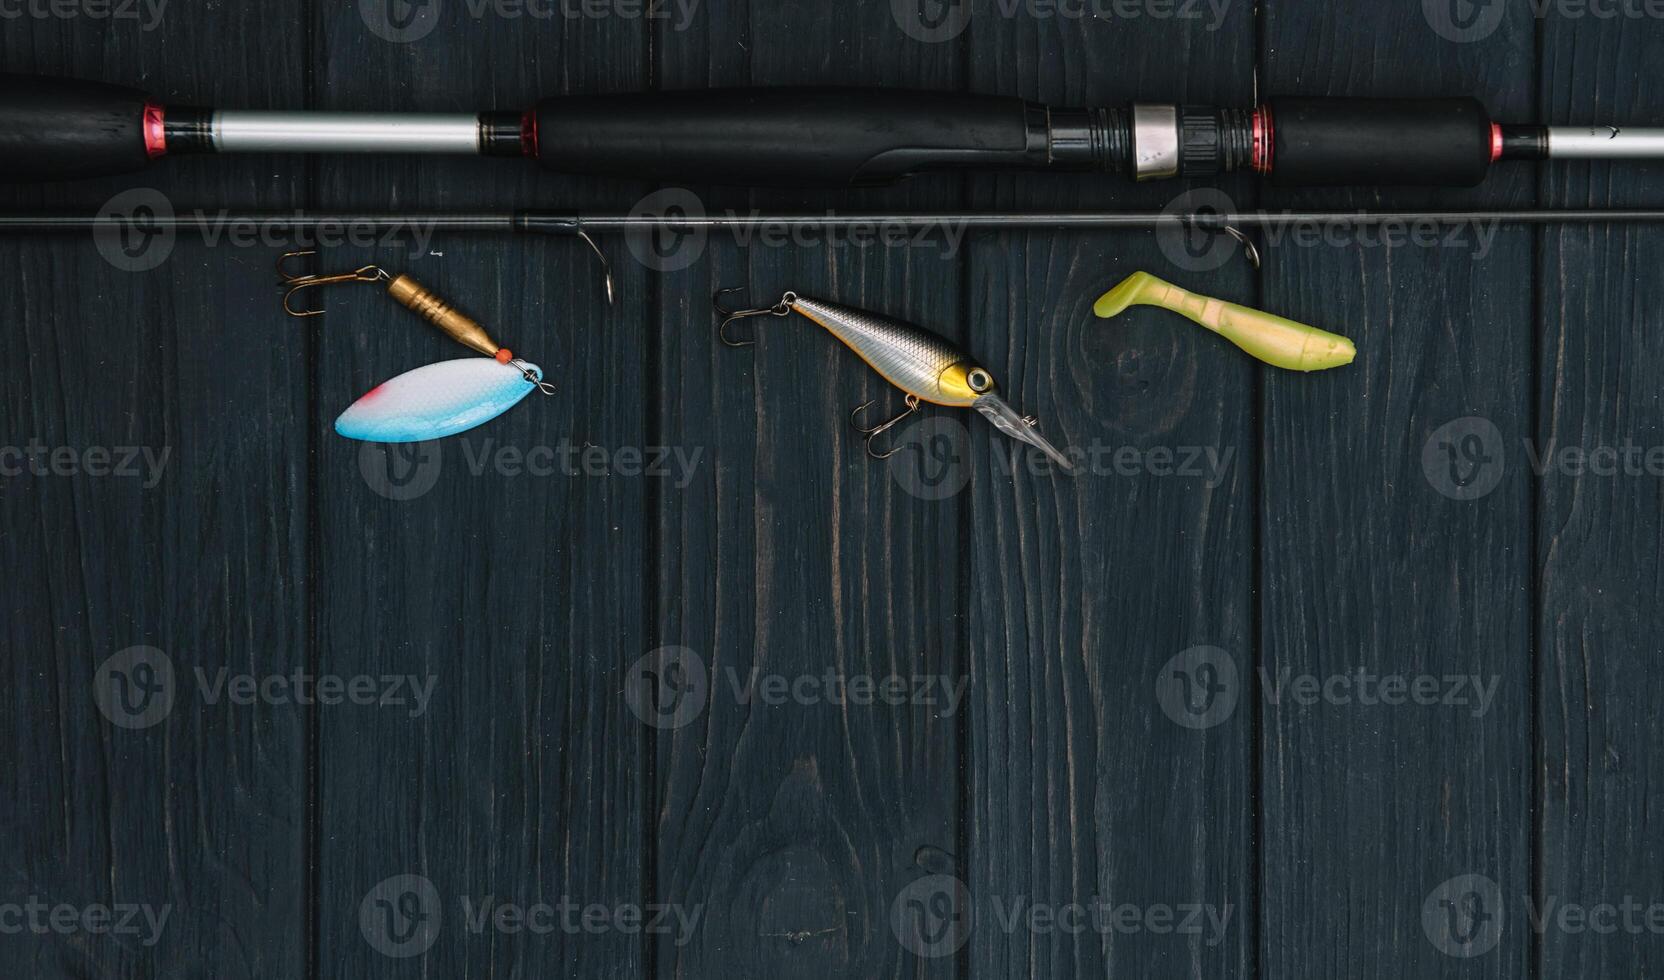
{"x": 1276, "y": 340}
{"x": 924, "y": 365}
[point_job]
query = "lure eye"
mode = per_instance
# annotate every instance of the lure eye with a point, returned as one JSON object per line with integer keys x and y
{"x": 979, "y": 380}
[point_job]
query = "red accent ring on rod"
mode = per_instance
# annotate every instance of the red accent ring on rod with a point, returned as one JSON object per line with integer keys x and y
{"x": 1496, "y": 142}
{"x": 155, "y": 131}
{"x": 1262, "y": 130}
{"x": 528, "y": 133}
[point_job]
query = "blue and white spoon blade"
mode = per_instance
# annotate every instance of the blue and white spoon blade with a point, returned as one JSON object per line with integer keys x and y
{"x": 438, "y": 400}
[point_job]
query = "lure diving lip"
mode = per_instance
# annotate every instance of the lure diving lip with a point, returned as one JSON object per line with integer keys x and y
{"x": 438, "y": 400}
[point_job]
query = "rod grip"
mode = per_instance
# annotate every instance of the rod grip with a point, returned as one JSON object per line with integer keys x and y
{"x": 60, "y": 128}
{"x": 1428, "y": 142}
{"x": 795, "y": 136}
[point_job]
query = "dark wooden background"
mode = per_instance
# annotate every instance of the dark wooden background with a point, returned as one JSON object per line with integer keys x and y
{"x": 792, "y": 828}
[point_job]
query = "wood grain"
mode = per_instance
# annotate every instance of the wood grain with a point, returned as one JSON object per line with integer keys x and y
{"x": 1367, "y": 809}
{"x": 514, "y": 581}
{"x": 796, "y": 826}
{"x": 1082, "y": 588}
{"x": 1598, "y": 535}
{"x": 200, "y": 553}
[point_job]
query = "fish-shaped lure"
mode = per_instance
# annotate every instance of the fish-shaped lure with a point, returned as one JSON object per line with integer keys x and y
{"x": 923, "y": 364}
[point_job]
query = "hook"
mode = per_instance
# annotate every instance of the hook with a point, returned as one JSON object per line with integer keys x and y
{"x": 873, "y": 433}
{"x": 1249, "y": 249}
{"x": 296, "y": 283}
{"x": 606, "y": 267}
{"x": 782, "y": 308}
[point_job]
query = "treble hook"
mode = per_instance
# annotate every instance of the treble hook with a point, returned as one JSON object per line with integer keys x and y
{"x": 296, "y": 283}
{"x": 912, "y": 403}
{"x": 782, "y": 308}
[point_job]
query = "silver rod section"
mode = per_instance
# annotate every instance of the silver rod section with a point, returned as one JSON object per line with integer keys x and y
{"x": 345, "y": 132}
{"x": 1604, "y": 143}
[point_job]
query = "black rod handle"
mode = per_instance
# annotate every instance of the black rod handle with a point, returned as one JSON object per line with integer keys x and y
{"x": 1380, "y": 142}
{"x": 802, "y": 136}
{"x": 60, "y": 129}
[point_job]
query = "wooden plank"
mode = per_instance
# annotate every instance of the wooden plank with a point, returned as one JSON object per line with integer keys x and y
{"x": 795, "y": 827}
{"x": 1085, "y": 589}
{"x": 198, "y": 811}
{"x": 1373, "y": 813}
{"x": 510, "y": 573}
{"x": 1601, "y": 342}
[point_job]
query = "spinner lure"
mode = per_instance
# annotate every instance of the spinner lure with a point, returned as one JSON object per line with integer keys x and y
{"x": 435, "y": 400}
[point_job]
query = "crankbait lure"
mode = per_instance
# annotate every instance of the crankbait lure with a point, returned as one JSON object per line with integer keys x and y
{"x": 435, "y": 400}
{"x": 922, "y": 364}
{"x": 1276, "y": 340}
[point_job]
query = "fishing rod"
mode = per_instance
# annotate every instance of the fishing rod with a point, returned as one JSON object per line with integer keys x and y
{"x": 55, "y": 129}
{"x": 584, "y": 226}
